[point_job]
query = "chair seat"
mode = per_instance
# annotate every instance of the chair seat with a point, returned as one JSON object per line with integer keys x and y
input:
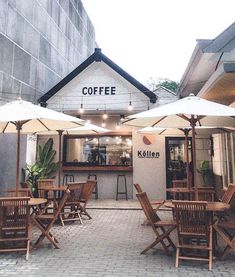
{"x": 45, "y": 216}
{"x": 190, "y": 246}
{"x": 227, "y": 224}
{"x": 165, "y": 223}
{"x": 15, "y": 239}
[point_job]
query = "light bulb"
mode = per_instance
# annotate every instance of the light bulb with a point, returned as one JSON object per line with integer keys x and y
{"x": 105, "y": 115}
{"x": 103, "y": 124}
{"x": 81, "y": 110}
{"x": 130, "y": 107}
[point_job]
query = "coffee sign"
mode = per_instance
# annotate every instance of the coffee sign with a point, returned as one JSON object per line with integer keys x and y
{"x": 107, "y": 90}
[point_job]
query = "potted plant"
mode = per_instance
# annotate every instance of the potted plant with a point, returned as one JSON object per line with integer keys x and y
{"x": 44, "y": 166}
{"x": 206, "y": 173}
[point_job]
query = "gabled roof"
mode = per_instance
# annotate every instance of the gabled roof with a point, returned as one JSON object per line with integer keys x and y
{"x": 97, "y": 56}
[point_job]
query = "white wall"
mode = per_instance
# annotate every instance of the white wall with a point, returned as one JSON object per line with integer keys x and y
{"x": 150, "y": 173}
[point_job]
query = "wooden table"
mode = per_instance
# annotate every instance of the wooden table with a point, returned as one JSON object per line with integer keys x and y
{"x": 37, "y": 201}
{"x": 211, "y": 206}
{"x": 180, "y": 193}
{"x": 56, "y": 191}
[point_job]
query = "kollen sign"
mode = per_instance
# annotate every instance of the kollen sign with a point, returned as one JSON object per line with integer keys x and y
{"x": 147, "y": 154}
{"x": 148, "y": 140}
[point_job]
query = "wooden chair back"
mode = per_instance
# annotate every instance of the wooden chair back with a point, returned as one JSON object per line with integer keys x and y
{"x": 22, "y": 192}
{"x": 14, "y": 223}
{"x": 138, "y": 188}
{"x": 87, "y": 190}
{"x": 206, "y": 194}
{"x": 192, "y": 218}
{"x": 76, "y": 190}
{"x": 26, "y": 185}
{"x": 179, "y": 183}
{"x": 147, "y": 208}
{"x": 228, "y": 195}
{"x": 194, "y": 228}
{"x": 44, "y": 183}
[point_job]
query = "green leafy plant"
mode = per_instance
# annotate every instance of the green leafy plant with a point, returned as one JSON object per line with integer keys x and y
{"x": 45, "y": 159}
{"x": 44, "y": 166}
{"x": 206, "y": 172}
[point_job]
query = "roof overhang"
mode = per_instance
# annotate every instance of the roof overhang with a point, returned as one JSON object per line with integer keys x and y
{"x": 220, "y": 87}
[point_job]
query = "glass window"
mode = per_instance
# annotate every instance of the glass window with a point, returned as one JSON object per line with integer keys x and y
{"x": 98, "y": 151}
{"x": 228, "y": 140}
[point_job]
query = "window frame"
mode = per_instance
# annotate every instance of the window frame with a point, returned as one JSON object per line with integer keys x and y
{"x": 66, "y": 138}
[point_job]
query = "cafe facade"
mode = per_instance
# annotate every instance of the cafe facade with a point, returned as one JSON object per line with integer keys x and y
{"x": 102, "y": 93}
{"x": 210, "y": 74}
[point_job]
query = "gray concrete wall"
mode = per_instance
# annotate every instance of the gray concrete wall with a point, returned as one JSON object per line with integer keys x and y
{"x": 41, "y": 41}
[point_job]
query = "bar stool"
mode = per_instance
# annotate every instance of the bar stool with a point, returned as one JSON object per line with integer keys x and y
{"x": 95, "y": 191}
{"x": 68, "y": 178}
{"x": 123, "y": 178}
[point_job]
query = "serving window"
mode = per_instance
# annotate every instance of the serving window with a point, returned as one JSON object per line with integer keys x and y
{"x": 105, "y": 150}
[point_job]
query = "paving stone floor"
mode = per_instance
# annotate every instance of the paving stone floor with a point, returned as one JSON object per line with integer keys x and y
{"x": 107, "y": 245}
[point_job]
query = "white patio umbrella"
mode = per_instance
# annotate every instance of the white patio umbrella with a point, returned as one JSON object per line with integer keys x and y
{"x": 24, "y": 117}
{"x": 87, "y": 129}
{"x": 190, "y": 111}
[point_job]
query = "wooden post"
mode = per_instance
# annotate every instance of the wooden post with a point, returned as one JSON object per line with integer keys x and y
{"x": 60, "y": 160}
{"x": 193, "y": 124}
{"x": 18, "y": 128}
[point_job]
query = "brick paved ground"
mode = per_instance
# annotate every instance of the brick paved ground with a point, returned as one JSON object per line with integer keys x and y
{"x": 107, "y": 245}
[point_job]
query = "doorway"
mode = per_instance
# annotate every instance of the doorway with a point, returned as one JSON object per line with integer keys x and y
{"x": 176, "y": 159}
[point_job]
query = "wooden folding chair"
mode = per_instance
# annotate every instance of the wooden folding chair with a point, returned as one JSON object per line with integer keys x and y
{"x": 14, "y": 224}
{"x": 71, "y": 210}
{"x": 46, "y": 221}
{"x": 194, "y": 228}
{"x": 157, "y": 203}
{"x": 161, "y": 228}
{"x": 87, "y": 190}
{"x": 226, "y": 198}
{"x": 226, "y": 229}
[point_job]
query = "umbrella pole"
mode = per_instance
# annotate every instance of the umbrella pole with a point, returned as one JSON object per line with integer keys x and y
{"x": 60, "y": 160}
{"x": 18, "y": 128}
{"x": 193, "y": 124}
{"x": 186, "y": 132}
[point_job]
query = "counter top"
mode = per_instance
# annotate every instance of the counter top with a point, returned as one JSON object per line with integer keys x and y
{"x": 98, "y": 168}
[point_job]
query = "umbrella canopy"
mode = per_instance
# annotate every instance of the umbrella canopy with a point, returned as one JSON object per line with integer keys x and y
{"x": 190, "y": 111}
{"x": 24, "y": 117}
{"x": 200, "y": 130}
{"x": 87, "y": 129}
{"x": 183, "y": 113}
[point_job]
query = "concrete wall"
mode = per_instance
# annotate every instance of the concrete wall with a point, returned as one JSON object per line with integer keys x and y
{"x": 41, "y": 41}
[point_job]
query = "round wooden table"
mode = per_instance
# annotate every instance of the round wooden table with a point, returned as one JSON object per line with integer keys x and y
{"x": 211, "y": 206}
{"x": 180, "y": 193}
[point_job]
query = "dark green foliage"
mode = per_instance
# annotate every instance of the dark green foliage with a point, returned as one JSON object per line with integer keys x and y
{"x": 44, "y": 166}
{"x": 206, "y": 172}
{"x": 169, "y": 84}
